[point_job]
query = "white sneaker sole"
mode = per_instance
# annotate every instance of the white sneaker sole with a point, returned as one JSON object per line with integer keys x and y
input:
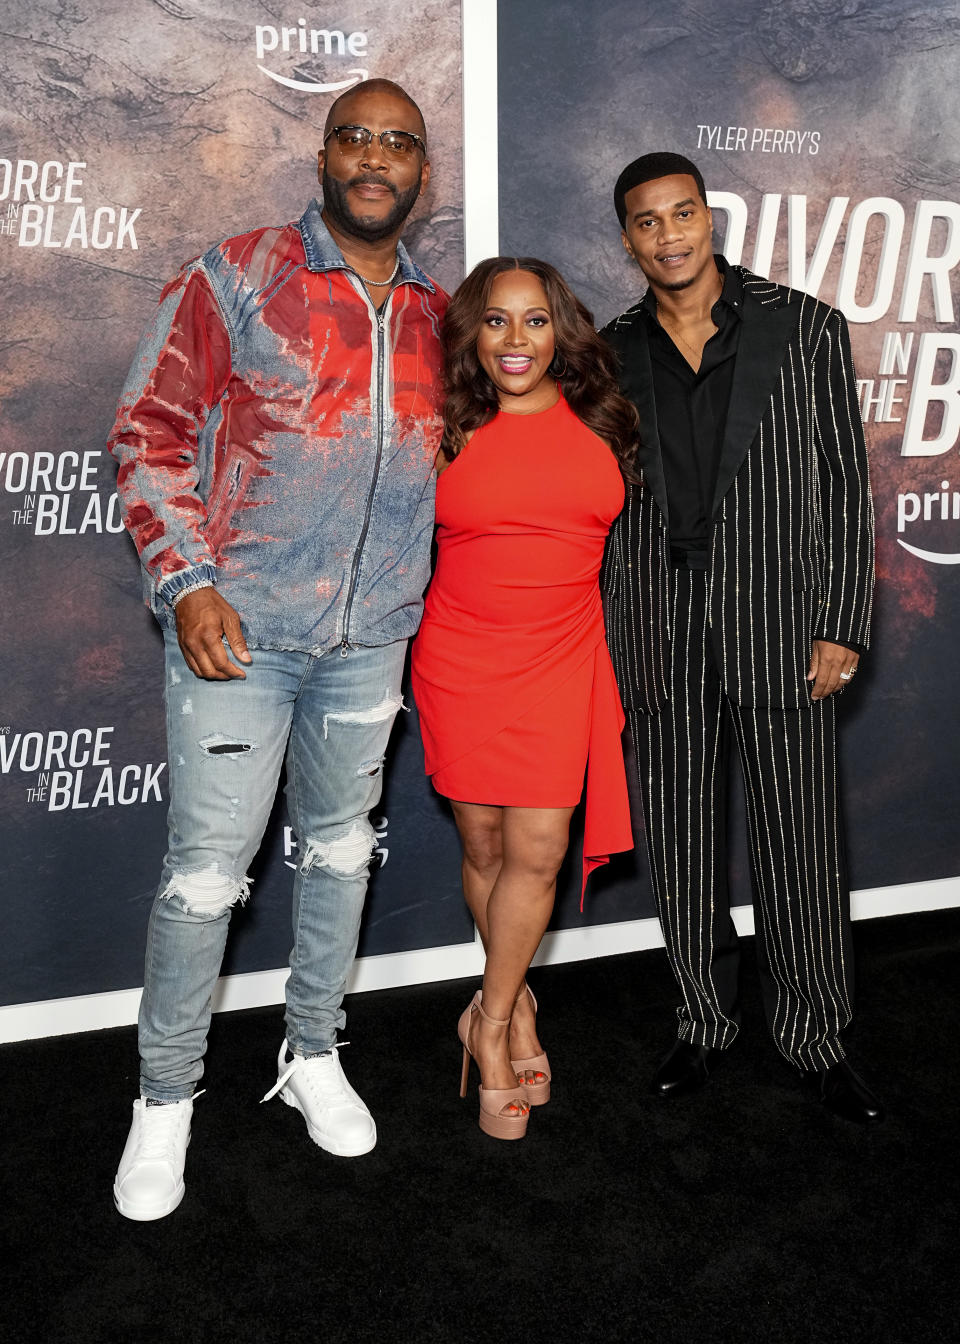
{"x": 324, "y": 1141}
{"x": 140, "y": 1213}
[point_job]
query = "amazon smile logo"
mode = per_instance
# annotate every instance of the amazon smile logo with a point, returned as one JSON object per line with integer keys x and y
{"x": 318, "y": 47}
{"x": 933, "y": 506}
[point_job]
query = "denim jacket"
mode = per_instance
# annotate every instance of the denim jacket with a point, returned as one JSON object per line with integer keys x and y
{"x": 276, "y": 436}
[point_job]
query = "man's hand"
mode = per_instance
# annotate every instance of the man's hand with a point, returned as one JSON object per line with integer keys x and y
{"x": 831, "y": 668}
{"x": 203, "y": 618}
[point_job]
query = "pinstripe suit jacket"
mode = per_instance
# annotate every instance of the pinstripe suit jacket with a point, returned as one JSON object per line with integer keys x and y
{"x": 791, "y": 531}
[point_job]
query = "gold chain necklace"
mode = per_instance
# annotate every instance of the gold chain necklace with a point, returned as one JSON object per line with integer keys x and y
{"x": 698, "y": 355}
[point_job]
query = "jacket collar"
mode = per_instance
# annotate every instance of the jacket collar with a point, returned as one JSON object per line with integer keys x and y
{"x": 322, "y": 253}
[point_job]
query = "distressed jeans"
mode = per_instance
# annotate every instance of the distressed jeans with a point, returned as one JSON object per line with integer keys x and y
{"x": 330, "y": 717}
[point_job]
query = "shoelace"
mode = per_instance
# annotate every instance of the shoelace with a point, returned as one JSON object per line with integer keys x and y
{"x": 159, "y": 1129}
{"x": 298, "y": 1062}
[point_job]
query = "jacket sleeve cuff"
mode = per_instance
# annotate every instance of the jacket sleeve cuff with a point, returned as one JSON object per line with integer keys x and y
{"x": 842, "y": 640}
{"x": 197, "y": 576}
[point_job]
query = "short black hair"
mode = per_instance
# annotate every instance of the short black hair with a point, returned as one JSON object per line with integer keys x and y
{"x": 646, "y": 169}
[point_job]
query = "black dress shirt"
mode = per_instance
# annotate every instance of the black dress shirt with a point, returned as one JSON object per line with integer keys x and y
{"x": 692, "y": 411}
{"x": 692, "y": 416}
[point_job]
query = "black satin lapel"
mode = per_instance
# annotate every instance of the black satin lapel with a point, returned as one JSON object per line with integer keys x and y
{"x": 763, "y": 344}
{"x": 636, "y": 382}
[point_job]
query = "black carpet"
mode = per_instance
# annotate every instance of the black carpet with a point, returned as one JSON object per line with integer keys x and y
{"x": 745, "y": 1213}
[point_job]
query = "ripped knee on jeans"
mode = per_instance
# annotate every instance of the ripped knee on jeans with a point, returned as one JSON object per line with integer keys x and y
{"x": 206, "y": 892}
{"x": 346, "y": 855}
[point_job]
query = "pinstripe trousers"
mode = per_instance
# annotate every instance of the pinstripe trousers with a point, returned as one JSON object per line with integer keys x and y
{"x": 801, "y": 901}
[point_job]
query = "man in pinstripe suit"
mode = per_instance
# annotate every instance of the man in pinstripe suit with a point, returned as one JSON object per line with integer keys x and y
{"x": 738, "y": 585}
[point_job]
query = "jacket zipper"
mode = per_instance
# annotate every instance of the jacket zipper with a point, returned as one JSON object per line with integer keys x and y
{"x": 355, "y": 570}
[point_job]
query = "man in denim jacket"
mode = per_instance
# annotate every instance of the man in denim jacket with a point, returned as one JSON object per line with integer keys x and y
{"x": 276, "y": 440}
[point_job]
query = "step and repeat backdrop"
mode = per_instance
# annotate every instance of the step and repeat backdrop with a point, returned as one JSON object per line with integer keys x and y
{"x": 133, "y": 134}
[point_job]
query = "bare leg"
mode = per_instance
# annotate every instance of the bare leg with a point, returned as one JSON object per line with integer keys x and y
{"x": 481, "y": 837}
{"x": 512, "y": 914}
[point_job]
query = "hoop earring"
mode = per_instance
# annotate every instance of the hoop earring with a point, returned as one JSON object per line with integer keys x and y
{"x": 558, "y": 365}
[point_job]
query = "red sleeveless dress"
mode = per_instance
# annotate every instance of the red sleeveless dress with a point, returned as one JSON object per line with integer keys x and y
{"x": 511, "y": 674}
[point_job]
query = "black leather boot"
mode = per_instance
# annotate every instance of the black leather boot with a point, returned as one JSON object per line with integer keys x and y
{"x": 685, "y": 1069}
{"x": 844, "y": 1093}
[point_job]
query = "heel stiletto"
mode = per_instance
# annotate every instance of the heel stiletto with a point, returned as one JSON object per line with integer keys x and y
{"x": 493, "y": 1100}
{"x": 538, "y": 1092}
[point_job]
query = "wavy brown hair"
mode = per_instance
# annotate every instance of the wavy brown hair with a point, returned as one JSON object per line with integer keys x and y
{"x": 584, "y": 365}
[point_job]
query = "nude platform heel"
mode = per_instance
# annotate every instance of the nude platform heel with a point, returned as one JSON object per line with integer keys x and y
{"x": 492, "y": 1100}
{"x": 536, "y": 1093}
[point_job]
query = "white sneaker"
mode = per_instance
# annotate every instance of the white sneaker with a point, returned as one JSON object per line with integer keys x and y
{"x": 337, "y": 1120}
{"x": 149, "y": 1181}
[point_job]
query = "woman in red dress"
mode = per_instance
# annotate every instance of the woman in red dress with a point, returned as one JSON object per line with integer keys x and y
{"x": 511, "y": 674}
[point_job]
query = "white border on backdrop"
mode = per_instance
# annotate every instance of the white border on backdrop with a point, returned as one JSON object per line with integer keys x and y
{"x": 481, "y": 172}
{"x": 56, "y": 1017}
{"x": 258, "y": 989}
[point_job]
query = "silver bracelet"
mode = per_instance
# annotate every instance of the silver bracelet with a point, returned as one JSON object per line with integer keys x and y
{"x": 194, "y": 588}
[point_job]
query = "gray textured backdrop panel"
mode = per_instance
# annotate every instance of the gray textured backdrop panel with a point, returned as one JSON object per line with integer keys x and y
{"x": 586, "y": 88}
